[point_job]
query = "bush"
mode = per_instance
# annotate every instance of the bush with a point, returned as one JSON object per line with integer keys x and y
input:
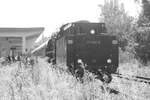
{"x": 125, "y": 56}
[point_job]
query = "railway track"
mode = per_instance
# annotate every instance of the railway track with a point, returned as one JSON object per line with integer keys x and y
{"x": 132, "y": 78}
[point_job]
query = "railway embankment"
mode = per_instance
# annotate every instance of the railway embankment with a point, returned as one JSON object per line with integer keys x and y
{"x": 43, "y": 81}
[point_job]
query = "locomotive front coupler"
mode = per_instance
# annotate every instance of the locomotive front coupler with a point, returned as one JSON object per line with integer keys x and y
{"x": 104, "y": 75}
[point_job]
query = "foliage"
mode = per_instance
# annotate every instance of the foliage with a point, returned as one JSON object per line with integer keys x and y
{"x": 142, "y": 36}
{"x": 118, "y": 22}
{"x": 146, "y": 8}
{"x": 143, "y": 39}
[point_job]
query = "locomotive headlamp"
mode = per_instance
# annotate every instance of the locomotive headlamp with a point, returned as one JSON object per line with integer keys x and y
{"x": 79, "y": 61}
{"x": 70, "y": 41}
{"x": 92, "y": 31}
{"x": 109, "y": 60}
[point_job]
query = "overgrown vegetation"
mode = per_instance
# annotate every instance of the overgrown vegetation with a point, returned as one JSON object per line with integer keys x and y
{"x": 118, "y": 23}
{"x": 142, "y": 37}
{"x": 46, "y": 82}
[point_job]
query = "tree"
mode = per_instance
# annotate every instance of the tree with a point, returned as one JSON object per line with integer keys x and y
{"x": 142, "y": 36}
{"x": 146, "y": 8}
{"x": 118, "y": 23}
{"x": 144, "y": 17}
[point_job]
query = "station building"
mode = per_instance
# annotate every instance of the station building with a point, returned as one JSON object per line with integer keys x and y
{"x": 14, "y": 41}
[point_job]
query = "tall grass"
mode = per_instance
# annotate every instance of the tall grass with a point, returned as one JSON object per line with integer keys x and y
{"x": 46, "y": 82}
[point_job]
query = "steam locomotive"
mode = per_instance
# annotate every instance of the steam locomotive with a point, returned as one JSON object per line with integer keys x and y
{"x": 87, "y": 43}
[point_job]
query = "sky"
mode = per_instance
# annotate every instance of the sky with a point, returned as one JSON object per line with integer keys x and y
{"x": 51, "y": 14}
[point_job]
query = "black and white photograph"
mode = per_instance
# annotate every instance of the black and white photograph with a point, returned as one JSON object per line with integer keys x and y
{"x": 75, "y": 50}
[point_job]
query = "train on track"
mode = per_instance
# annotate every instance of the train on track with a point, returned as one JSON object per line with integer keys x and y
{"x": 86, "y": 43}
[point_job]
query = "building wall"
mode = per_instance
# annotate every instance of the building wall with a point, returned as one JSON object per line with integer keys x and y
{"x": 4, "y": 48}
{"x": 11, "y": 40}
{"x": 30, "y": 43}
